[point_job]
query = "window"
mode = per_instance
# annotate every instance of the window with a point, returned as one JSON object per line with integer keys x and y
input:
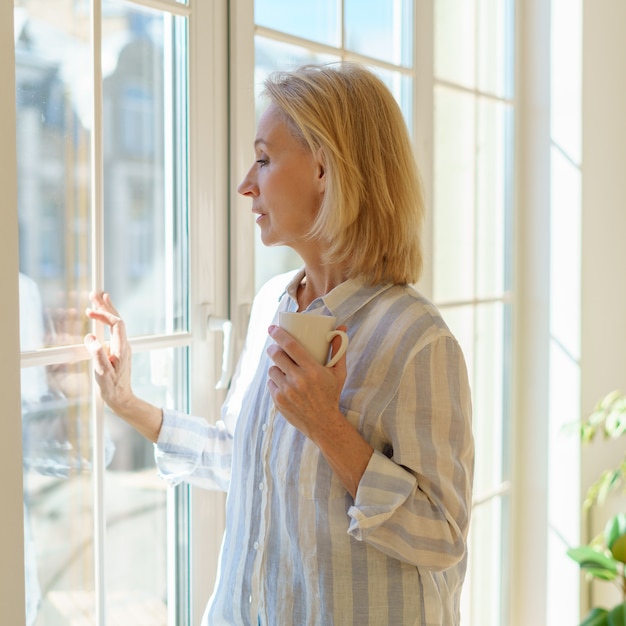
{"x": 465, "y": 99}
{"x": 472, "y": 265}
{"x": 104, "y": 165}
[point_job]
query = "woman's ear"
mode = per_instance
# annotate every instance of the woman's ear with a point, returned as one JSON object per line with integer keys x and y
{"x": 321, "y": 170}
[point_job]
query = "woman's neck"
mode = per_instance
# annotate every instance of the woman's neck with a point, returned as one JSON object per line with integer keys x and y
{"x": 317, "y": 282}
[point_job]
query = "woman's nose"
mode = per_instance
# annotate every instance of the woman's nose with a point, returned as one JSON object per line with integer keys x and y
{"x": 248, "y": 186}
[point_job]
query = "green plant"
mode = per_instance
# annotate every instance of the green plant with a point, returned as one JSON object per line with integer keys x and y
{"x": 604, "y": 557}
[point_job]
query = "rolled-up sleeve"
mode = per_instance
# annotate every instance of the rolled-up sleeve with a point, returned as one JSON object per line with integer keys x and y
{"x": 190, "y": 449}
{"x": 414, "y": 504}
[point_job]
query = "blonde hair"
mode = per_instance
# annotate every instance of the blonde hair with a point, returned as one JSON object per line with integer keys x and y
{"x": 373, "y": 207}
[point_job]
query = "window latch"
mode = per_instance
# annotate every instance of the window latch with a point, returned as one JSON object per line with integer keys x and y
{"x": 224, "y": 326}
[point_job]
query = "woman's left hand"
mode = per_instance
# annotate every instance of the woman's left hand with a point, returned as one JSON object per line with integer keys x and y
{"x": 305, "y": 392}
{"x": 307, "y": 395}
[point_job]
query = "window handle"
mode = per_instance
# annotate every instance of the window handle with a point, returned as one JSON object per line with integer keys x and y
{"x": 224, "y": 326}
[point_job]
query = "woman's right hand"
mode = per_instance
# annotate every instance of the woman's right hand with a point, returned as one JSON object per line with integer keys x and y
{"x": 112, "y": 370}
{"x": 112, "y": 360}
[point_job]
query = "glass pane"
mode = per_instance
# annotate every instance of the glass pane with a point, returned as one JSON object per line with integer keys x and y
{"x": 455, "y": 191}
{"x": 455, "y": 43}
{"x": 488, "y": 394}
{"x": 58, "y": 507}
{"x": 484, "y": 334}
{"x": 145, "y": 167}
{"x": 136, "y": 502}
{"x": 496, "y": 47}
{"x": 493, "y": 190}
{"x": 271, "y": 56}
{"x": 488, "y": 550}
{"x": 401, "y": 86}
{"x": 474, "y": 44}
{"x": 317, "y": 21}
{"x": 58, "y": 493}
{"x": 380, "y": 29}
{"x": 53, "y": 97}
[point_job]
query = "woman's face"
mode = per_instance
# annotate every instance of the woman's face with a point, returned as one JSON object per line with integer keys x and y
{"x": 286, "y": 184}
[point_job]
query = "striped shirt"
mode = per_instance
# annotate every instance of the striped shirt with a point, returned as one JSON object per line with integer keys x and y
{"x": 298, "y": 549}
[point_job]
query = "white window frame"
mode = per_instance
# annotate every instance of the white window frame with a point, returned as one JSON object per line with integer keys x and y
{"x": 208, "y": 297}
{"x": 209, "y": 200}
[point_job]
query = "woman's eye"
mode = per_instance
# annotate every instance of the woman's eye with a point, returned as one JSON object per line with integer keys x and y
{"x": 262, "y": 162}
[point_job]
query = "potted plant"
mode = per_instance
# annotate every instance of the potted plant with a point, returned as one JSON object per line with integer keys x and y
{"x": 604, "y": 557}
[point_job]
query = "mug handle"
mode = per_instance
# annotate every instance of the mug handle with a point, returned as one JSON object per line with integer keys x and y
{"x": 342, "y": 348}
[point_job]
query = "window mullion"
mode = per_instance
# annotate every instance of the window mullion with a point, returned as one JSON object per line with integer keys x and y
{"x": 97, "y": 280}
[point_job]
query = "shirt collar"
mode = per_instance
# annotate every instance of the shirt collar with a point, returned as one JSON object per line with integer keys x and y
{"x": 342, "y": 301}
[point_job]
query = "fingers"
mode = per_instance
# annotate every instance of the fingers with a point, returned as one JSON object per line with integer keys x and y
{"x": 102, "y": 316}
{"x": 280, "y": 357}
{"x": 104, "y": 311}
{"x": 102, "y": 303}
{"x": 288, "y": 346}
{"x": 101, "y": 359}
{"x": 107, "y": 300}
{"x": 276, "y": 377}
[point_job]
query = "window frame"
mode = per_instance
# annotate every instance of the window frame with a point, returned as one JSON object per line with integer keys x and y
{"x": 208, "y": 298}
{"x": 12, "y": 537}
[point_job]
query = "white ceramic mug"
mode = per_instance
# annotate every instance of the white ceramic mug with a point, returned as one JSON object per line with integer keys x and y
{"x": 314, "y": 332}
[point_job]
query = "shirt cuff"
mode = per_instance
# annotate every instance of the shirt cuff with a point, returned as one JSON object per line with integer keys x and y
{"x": 180, "y": 445}
{"x": 384, "y": 487}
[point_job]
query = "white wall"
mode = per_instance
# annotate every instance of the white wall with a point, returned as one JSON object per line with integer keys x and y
{"x": 11, "y": 537}
{"x": 603, "y": 356}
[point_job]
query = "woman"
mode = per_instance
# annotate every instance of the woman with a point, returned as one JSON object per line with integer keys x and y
{"x": 348, "y": 486}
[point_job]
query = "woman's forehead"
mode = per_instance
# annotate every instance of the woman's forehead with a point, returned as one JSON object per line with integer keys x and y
{"x": 270, "y": 122}
{"x": 274, "y": 126}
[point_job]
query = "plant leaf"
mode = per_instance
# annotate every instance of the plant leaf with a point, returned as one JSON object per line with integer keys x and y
{"x": 608, "y": 481}
{"x": 615, "y": 422}
{"x": 615, "y": 536}
{"x": 596, "y": 617}
{"x": 609, "y": 415}
{"x": 595, "y": 562}
{"x": 607, "y": 402}
{"x": 617, "y": 615}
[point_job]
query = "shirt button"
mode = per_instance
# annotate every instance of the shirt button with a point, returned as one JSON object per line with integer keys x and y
{"x": 264, "y": 427}
{"x": 256, "y": 545}
{"x": 261, "y": 486}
